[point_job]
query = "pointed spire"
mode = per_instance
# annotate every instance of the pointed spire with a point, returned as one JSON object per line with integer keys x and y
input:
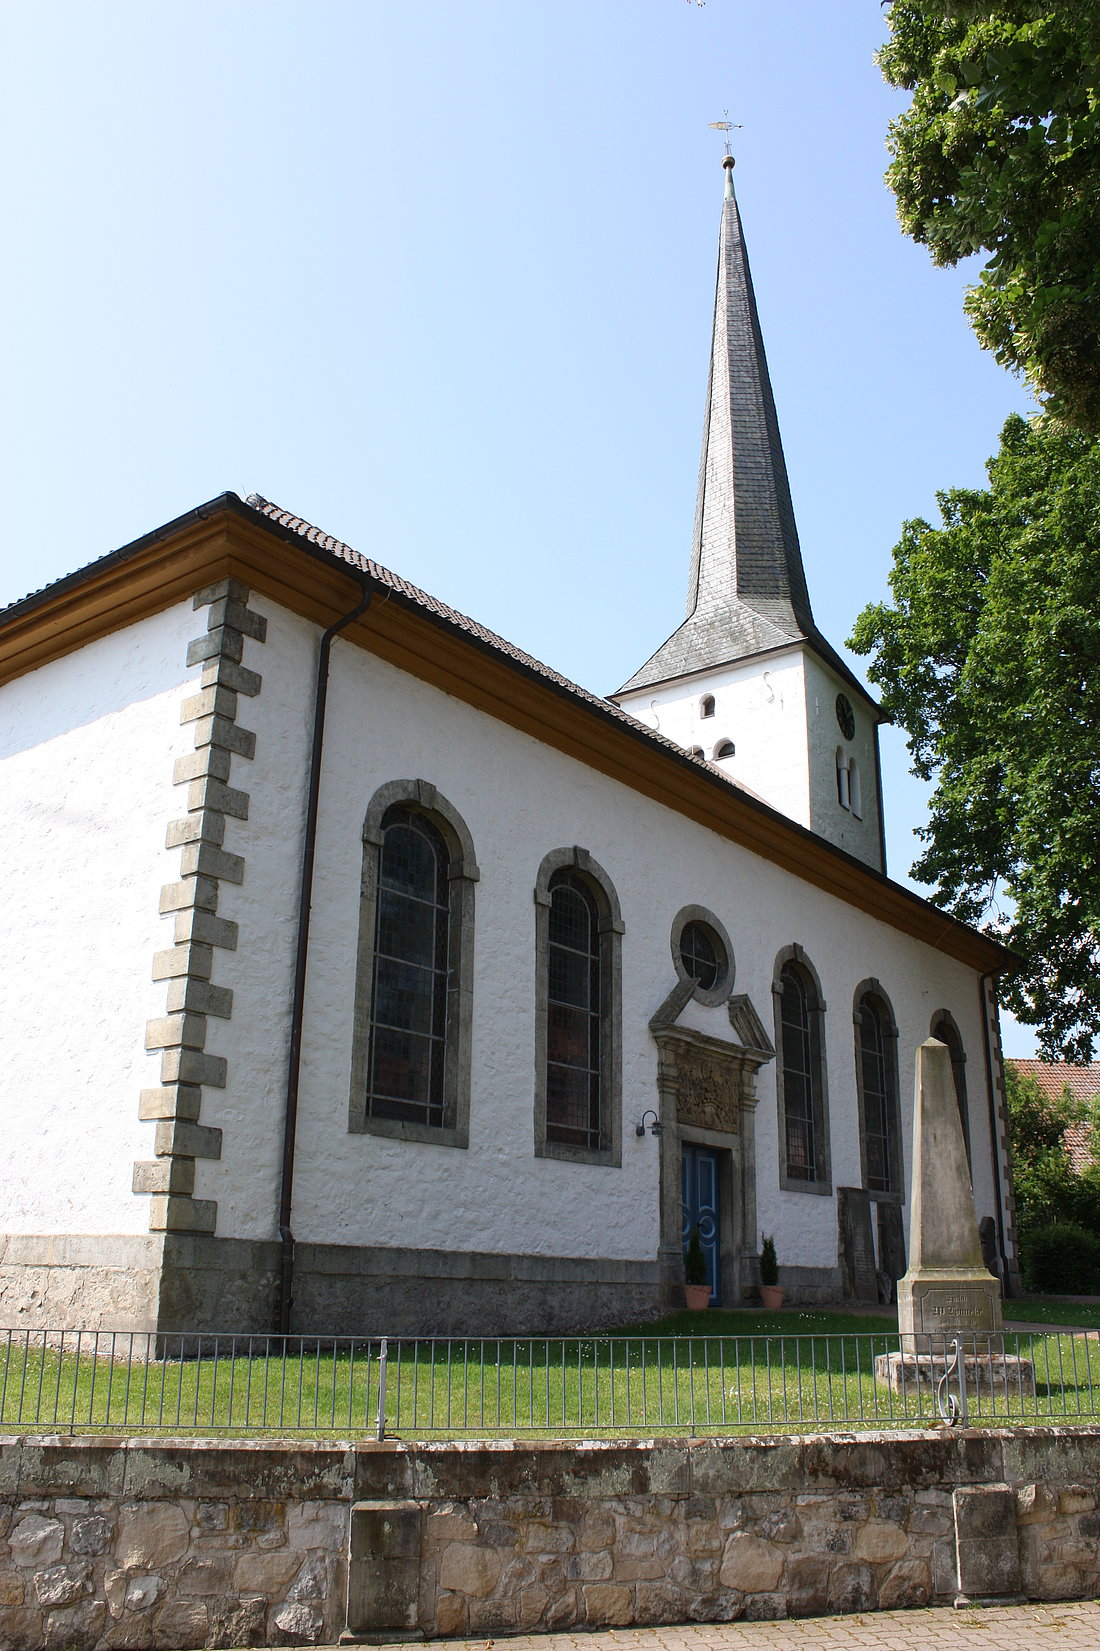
{"x": 747, "y": 588}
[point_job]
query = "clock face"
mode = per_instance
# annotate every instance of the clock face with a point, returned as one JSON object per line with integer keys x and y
{"x": 845, "y": 716}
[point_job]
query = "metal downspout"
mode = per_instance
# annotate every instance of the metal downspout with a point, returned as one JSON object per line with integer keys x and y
{"x": 301, "y": 955}
{"x": 997, "y": 1184}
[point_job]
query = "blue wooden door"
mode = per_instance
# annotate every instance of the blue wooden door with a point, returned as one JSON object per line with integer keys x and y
{"x": 700, "y": 1193}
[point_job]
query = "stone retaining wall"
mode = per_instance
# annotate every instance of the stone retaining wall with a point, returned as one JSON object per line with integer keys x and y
{"x": 180, "y": 1544}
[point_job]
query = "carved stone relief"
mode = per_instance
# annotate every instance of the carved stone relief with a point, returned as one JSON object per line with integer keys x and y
{"x": 707, "y": 1091}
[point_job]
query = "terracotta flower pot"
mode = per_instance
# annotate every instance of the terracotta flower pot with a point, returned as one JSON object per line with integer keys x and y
{"x": 771, "y": 1297}
{"x": 698, "y": 1296}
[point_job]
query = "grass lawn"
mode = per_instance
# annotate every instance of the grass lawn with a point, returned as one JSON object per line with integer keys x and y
{"x": 692, "y": 1373}
{"x": 746, "y": 1321}
{"x": 1052, "y": 1310}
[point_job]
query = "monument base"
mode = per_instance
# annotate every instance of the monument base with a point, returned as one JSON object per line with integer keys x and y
{"x": 936, "y": 1304}
{"x": 1003, "y": 1375}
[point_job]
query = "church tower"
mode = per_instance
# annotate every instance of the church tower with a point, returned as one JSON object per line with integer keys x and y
{"x": 748, "y": 682}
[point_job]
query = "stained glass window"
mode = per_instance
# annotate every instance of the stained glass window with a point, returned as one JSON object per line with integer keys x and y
{"x": 701, "y": 954}
{"x": 408, "y": 1032}
{"x": 801, "y": 1078}
{"x": 573, "y": 1024}
{"x": 879, "y": 1099}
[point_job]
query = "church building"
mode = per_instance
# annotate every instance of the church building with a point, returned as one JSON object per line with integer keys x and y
{"x": 362, "y": 975}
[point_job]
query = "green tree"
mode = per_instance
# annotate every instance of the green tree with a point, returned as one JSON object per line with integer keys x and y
{"x": 1057, "y": 1210}
{"x": 988, "y": 656}
{"x": 999, "y": 152}
{"x": 1046, "y": 1187}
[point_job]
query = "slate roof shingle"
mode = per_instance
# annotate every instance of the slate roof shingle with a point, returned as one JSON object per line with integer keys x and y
{"x": 422, "y": 599}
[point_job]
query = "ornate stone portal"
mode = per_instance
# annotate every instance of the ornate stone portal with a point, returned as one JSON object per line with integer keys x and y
{"x": 707, "y": 1089}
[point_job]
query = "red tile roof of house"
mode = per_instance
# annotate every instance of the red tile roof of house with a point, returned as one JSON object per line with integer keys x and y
{"x": 1053, "y": 1076}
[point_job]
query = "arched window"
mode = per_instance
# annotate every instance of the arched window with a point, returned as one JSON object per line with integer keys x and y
{"x": 706, "y": 705}
{"x": 573, "y": 998}
{"x": 724, "y": 748}
{"x": 411, "y": 1042}
{"x": 877, "y": 1087}
{"x": 946, "y": 1031}
{"x": 577, "y": 1011}
{"x": 408, "y": 1013}
{"x": 695, "y": 750}
{"x": 803, "y": 1108}
{"x": 842, "y": 792}
{"x": 855, "y": 789}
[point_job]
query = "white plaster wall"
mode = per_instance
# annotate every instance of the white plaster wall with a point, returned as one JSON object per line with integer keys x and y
{"x": 859, "y": 836}
{"x": 761, "y": 707}
{"x": 87, "y": 745}
{"x": 520, "y": 799}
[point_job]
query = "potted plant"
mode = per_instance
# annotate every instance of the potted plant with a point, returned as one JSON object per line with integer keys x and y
{"x": 771, "y": 1291}
{"x": 696, "y": 1283}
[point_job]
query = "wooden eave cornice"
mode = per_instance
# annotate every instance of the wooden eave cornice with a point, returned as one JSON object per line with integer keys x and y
{"x": 234, "y": 541}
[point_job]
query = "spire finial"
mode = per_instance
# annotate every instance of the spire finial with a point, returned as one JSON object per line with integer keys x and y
{"x": 726, "y": 126}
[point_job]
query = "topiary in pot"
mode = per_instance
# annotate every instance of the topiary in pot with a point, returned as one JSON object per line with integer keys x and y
{"x": 771, "y": 1291}
{"x": 696, "y": 1283}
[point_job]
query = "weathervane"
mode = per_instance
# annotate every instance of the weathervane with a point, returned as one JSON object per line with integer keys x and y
{"x": 727, "y": 126}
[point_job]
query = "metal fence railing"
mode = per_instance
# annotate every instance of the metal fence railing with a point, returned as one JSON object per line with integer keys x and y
{"x": 255, "y": 1386}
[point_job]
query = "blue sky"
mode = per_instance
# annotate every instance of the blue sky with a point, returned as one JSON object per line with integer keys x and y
{"x": 438, "y": 276}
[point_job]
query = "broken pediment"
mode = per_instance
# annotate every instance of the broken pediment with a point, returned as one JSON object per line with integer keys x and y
{"x": 749, "y": 1028}
{"x": 750, "y": 1041}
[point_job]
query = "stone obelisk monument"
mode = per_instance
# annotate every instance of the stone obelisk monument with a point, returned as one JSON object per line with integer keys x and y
{"x": 948, "y": 1290}
{"x": 948, "y": 1293}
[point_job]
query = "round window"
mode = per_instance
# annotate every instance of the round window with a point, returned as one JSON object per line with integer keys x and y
{"x": 703, "y": 954}
{"x": 700, "y": 951}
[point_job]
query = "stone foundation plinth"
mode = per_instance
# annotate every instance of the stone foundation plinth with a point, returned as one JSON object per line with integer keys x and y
{"x": 1002, "y": 1374}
